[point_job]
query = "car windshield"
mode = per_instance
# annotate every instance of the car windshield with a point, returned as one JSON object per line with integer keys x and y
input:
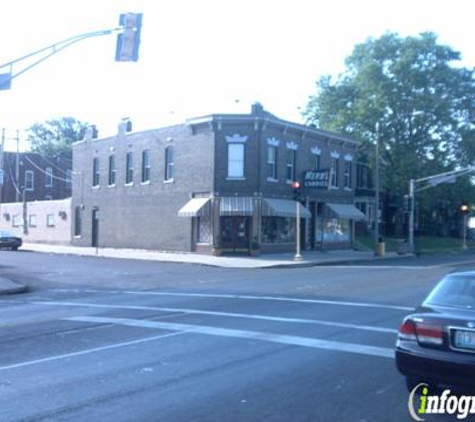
{"x": 457, "y": 291}
{"x": 5, "y": 234}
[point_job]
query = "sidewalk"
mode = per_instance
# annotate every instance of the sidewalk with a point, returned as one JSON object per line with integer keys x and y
{"x": 282, "y": 260}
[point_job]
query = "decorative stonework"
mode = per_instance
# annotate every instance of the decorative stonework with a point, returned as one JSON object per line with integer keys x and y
{"x": 316, "y": 151}
{"x": 291, "y": 145}
{"x": 273, "y": 142}
{"x": 348, "y": 157}
{"x": 236, "y": 139}
{"x": 335, "y": 154}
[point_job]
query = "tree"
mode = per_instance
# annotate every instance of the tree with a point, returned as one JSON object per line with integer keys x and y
{"x": 408, "y": 94}
{"x": 56, "y": 136}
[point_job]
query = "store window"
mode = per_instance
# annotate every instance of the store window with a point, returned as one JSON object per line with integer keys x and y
{"x": 278, "y": 230}
{"x": 204, "y": 229}
{"x": 336, "y": 230}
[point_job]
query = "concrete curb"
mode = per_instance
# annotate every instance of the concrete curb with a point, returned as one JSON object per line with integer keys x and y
{"x": 8, "y": 287}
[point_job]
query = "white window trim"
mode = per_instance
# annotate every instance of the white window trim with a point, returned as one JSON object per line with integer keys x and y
{"x": 49, "y": 177}
{"x": 32, "y": 188}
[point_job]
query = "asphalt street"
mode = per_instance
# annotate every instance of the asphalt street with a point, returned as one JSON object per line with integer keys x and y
{"x": 116, "y": 340}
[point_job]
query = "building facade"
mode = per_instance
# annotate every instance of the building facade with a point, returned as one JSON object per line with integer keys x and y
{"x": 38, "y": 221}
{"x": 216, "y": 184}
{"x": 32, "y": 177}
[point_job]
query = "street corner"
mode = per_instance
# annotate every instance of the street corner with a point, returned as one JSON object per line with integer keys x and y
{"x": 8, "y": 287}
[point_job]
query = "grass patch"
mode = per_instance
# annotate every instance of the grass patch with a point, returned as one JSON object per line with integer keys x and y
{"x": 421, "y": 244}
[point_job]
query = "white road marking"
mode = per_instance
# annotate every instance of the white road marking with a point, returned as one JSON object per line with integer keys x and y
{"x": 88, "y": 351}
{"x": 244, "y": 297}
{"x": 245, "y": 334}
{"x": 222, "y": 314}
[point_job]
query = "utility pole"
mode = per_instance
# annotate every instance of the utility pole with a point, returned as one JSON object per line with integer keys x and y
{"x": 376, "y": 186}
{"x": 411, "y": 215}
{"x": 2, "y": 176}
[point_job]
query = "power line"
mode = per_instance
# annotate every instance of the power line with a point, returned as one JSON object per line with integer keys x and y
{"x": 44, "y": 172}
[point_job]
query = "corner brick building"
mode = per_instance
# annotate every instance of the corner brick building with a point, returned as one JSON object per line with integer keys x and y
{"x": 215, "y": 184}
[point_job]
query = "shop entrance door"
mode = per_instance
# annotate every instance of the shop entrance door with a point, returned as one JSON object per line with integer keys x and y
{"x": 235, "y": 233}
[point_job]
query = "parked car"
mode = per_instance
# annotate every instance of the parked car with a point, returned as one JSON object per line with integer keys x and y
{"x": 8, "y": 241}
{"x": 436, "y": 343}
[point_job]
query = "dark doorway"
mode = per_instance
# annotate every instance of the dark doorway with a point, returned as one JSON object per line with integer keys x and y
{"x": 235, "y": 233}
{"x": 95, "y": 227}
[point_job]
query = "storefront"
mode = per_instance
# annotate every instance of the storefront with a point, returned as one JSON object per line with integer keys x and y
{"x": 243, "y": 224}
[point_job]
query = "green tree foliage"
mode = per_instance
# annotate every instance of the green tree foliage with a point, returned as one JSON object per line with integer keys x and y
{"x": 412, "y": 95}
{"x": 56, "y": 136}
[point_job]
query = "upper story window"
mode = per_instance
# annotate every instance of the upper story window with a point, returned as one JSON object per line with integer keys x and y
{"x": 347, "y": 174}
{"x": 29, "y": 180}
{"x": 290, "y": 165}
{"x": 95, "y": 172}
{"x": 169, "y": 164}
{"x": 316, "y": 162}
{"x": 129, "y": 168}
{"x": 112, "y": 170}
{"x": 363, "y": 177}
{"x": 334, "y": 176}
{"x": 145, "y": 166}
{"x": 236, "y": 160}
{"x": 68, "y": 179}
{"x": 48, "y": 177}
{"x": 272, "y": 162}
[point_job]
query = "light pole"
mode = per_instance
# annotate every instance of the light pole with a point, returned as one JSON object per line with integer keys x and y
{"x": 298, "y": 253}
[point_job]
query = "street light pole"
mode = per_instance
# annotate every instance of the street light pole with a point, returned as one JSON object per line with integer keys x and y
{"x": 298, "y": 254}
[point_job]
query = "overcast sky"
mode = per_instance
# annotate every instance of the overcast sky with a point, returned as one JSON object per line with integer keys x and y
{"x": 199, "y": 57}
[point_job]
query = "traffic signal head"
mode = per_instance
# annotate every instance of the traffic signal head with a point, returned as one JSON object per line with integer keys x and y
{"x": 128, "y": 40}
{"x": 464, "y": 207}
{"x": 296, "y": 189}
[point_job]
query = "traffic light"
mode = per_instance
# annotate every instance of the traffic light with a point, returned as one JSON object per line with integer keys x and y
{"x": 464, "y": 207}
{"x": 296, "y": 189}
{"x": 128, "y": 40}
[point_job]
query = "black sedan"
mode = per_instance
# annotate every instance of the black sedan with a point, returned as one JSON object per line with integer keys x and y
{"x": 436, "y": 343}
{"x": 7, "y": 241}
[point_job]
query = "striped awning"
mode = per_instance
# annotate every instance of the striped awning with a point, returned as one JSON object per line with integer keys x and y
{"x": 239, "y": 205}
{"x": 195, "y": 207}
{"x": 347, "y": 211}
{"x": 272, "y": 207}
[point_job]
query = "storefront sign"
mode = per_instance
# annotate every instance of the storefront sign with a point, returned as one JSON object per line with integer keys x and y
{"x": 319, "y": 179}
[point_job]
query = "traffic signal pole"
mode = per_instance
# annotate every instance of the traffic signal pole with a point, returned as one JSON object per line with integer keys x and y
{"x": 430, "y": 182}
{"x": 127, "y": 48}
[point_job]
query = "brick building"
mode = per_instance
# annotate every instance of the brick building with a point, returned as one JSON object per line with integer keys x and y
{"x": 215, "y": 184}
{"x": 39, "y": 177}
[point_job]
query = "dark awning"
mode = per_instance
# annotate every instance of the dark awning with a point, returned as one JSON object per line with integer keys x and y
{"x": 347, "y": 211}
{"x": 195, "y": 207}
{"x": 236, "y": 205}
{"x": 272, "y": 207}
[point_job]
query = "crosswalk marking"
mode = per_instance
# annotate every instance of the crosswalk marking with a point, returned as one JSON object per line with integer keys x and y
{"x": 221, "y": 314}
{"x": 244, "y": 297}
{"x": 245, "y": 334}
